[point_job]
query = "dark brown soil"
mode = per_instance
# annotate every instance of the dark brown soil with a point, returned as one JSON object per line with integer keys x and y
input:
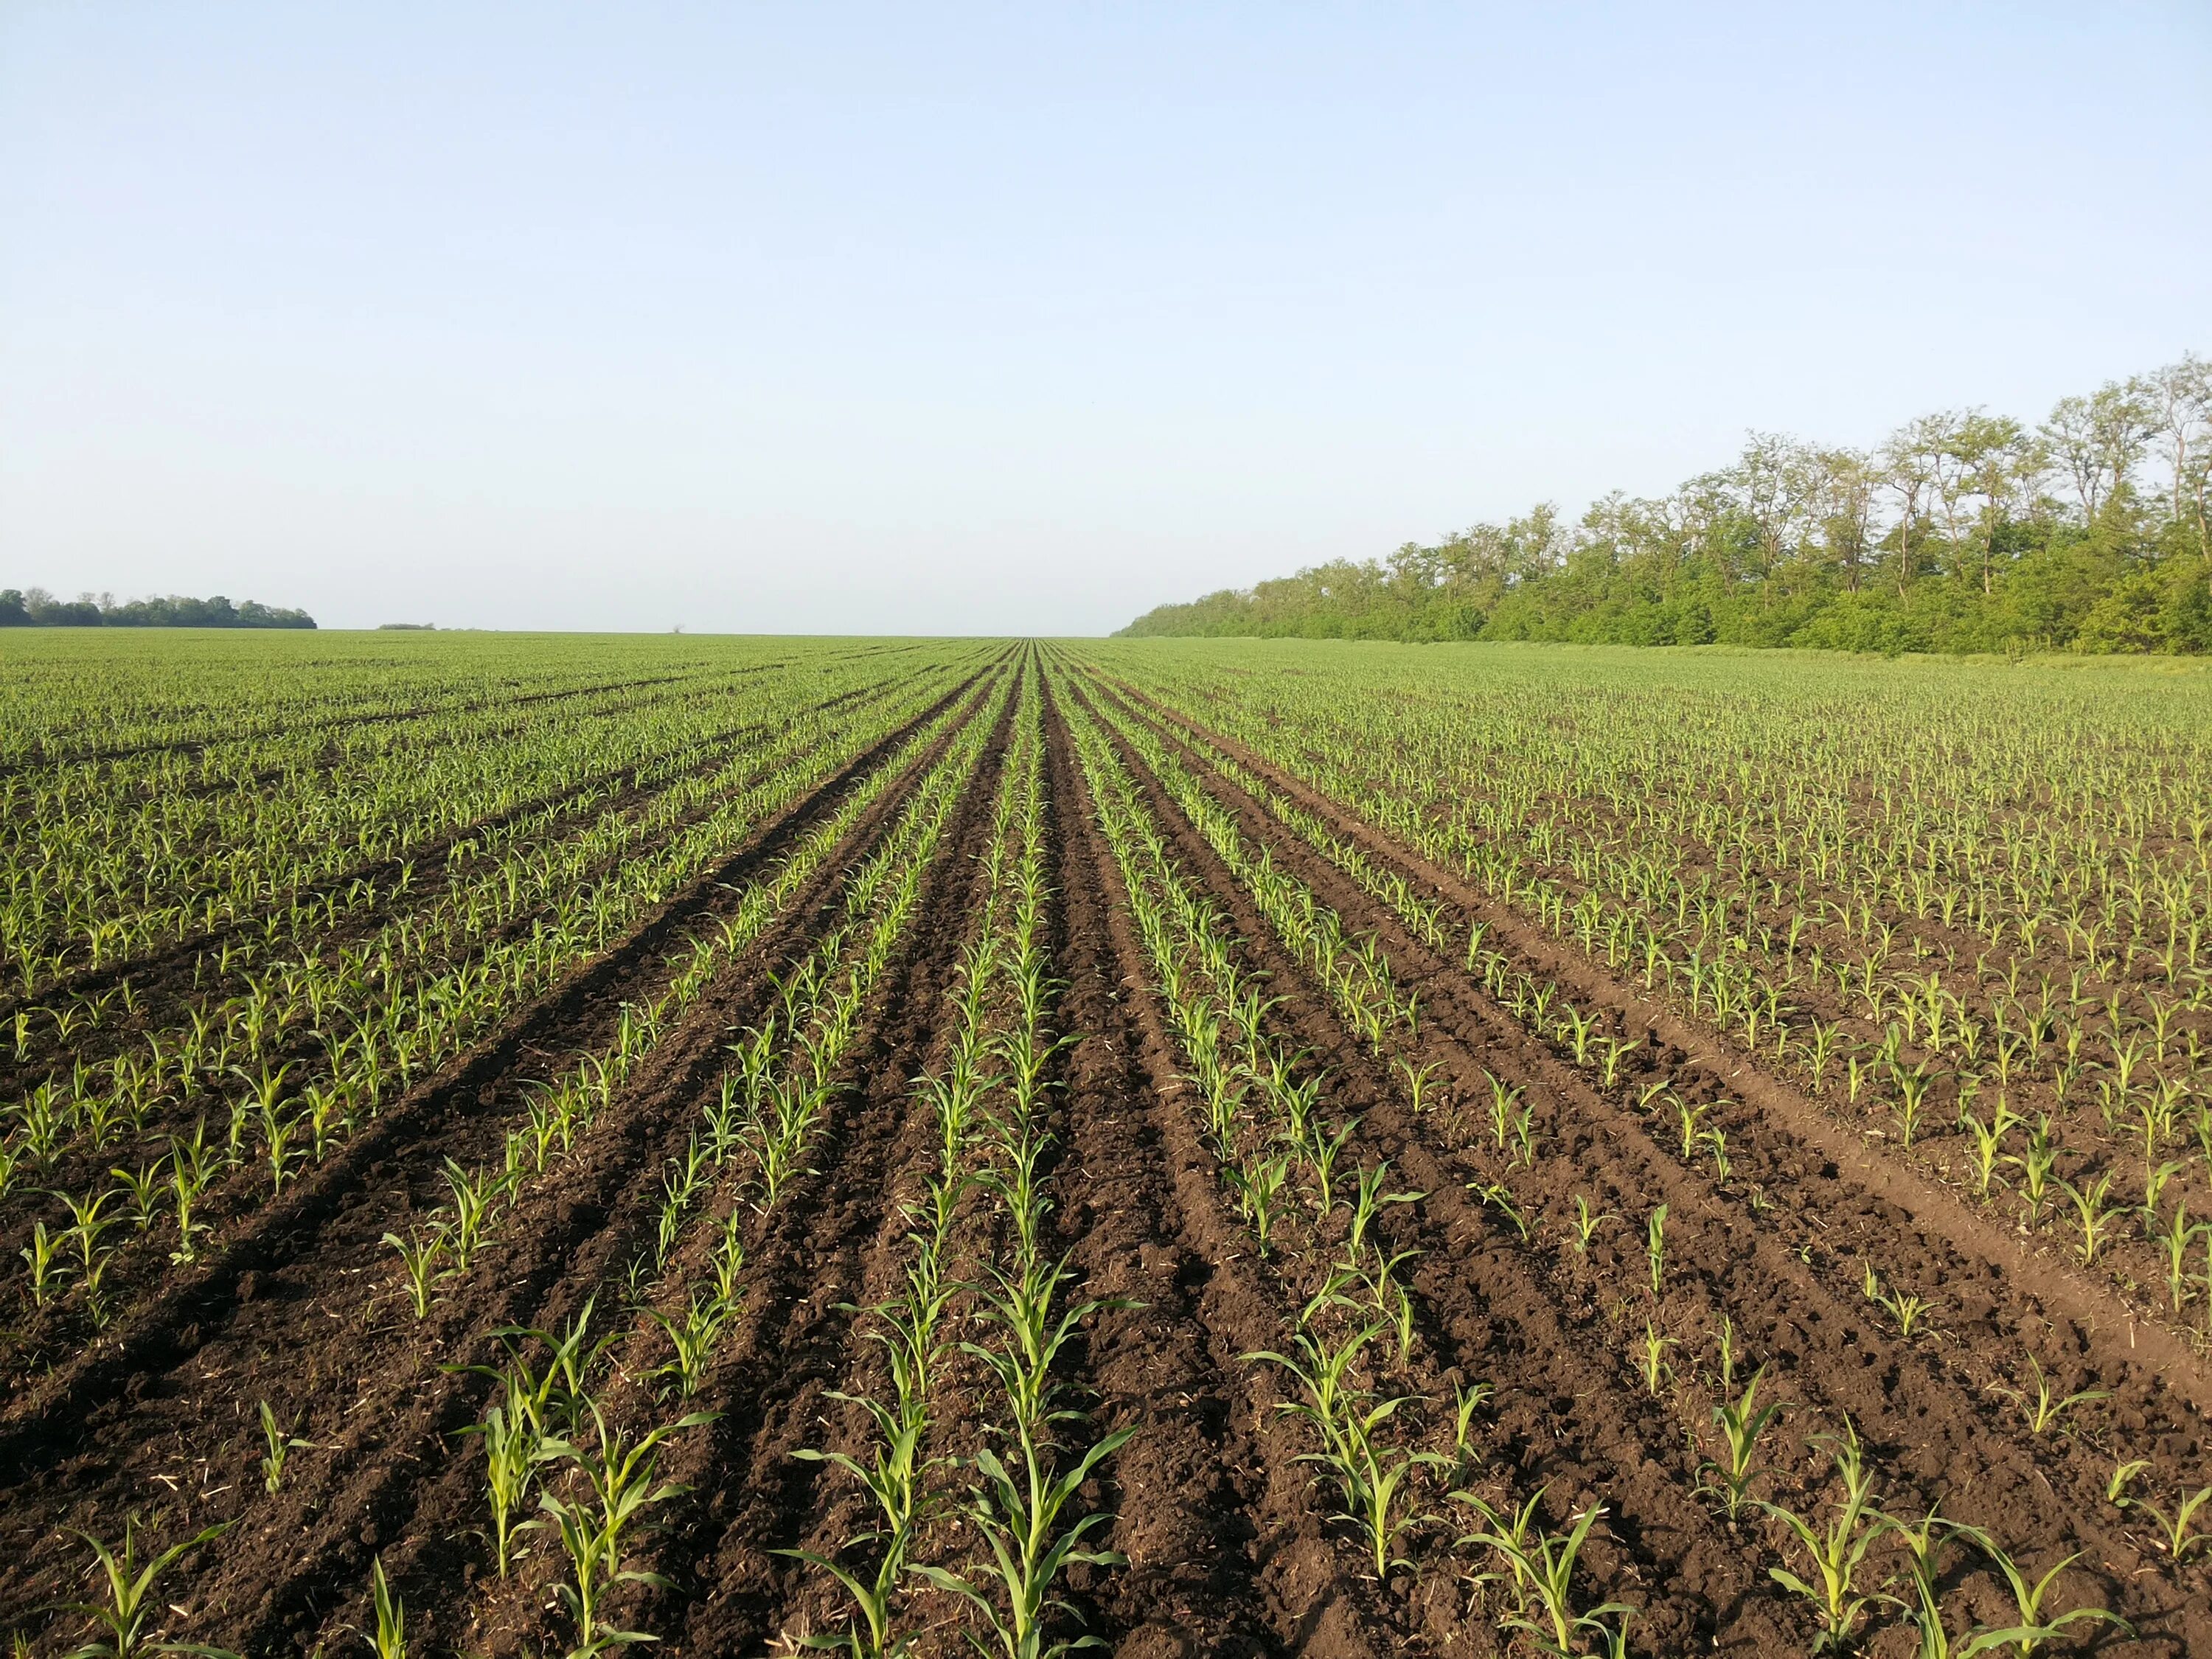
{"x": 1230, "y": 1545}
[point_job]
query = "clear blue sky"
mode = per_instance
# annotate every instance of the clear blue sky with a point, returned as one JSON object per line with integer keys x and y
{"x": 985, "y": 319}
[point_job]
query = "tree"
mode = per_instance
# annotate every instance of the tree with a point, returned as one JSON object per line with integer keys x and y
{"x": 1907, "y": 473}
{"x": 1791, "y": 544}
{"x": 1847, "y": 483}
{"x": 2178, "y": 398}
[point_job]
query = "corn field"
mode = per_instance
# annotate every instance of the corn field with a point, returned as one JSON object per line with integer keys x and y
{"x": 521, "y": 1145}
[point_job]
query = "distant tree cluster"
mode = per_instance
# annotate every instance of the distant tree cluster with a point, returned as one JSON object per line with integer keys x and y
{"x": 36, "y": 608}
{"x": 1963, "y": 531}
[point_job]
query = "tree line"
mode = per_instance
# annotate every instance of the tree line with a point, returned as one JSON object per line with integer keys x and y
{"x": 36, "y": 608}
{"x": 1962, "y": 532}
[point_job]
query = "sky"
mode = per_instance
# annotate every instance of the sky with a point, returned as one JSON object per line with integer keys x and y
{"x": 926, "y": 319}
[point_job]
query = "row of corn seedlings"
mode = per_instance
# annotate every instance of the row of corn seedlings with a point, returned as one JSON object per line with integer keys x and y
{"x": 1355, "y": 1354}
{"x": 108, "y": 861}
{"x": 1915, "y": 1043}
{"x": 1678, "y": 1122}
{"x": 273, "y": 1126}
{"x": 1838, "y": 1546}
{"x": 687, "y": 1287}
{"x": 486, "y": 874}
{"x": 987, "y": 1101}
{"x": 295, "y": 1012}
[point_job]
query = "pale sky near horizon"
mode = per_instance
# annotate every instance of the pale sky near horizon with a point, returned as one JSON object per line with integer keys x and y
{"x": 1020, "y": 319}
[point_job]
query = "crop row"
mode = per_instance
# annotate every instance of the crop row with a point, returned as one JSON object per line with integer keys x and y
{"x": 1312, "y": 934}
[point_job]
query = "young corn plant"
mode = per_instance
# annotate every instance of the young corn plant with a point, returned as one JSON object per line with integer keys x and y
{"x": 896, "y": 1480}
{"x": 692, "y": 1337}
{"x": 2177, "y": 1529}
{"x": 1021, "y": 1308}
{"x": 1586, "y": 1223}
{"x": 515, "y": 1449}
{"x": 1504, "y": 1107}
{"x": 2044, "y": 1412}
{"x": 1418, "y": 1082}
{"x": 42, "y": 1253}
{"x": 1907, "y": 1310}
{"x": 281, "y": 1444}
{"x": 123, "y": 1623}
{"x": 2027, "y": 1596}
{"x": 1542, "y": 1566}
{"x": 2173, "y": 1239}
{"x": 617, "y": 1474}
{"x": 1371, "y": 1478}
{"x": 1988, "y": 1140}
{"x": 2036, "y": 1165}
{"x": 1466, "y": 1400}
{"x": 419, "y": 1258}
{"x": 2096, "y": 1212}
{"x": 1742, "y": 1422}
{"x": 1258, "y": 1183}
{"x": 1653, "y": 1359}
{"x": 1836, "y": 1552}
{"x": 389, "y": 1640}
{"x": 1499, "y": 1197}
{"x": 1022, "y": 1516}
{"x": 1912, "y": 1089}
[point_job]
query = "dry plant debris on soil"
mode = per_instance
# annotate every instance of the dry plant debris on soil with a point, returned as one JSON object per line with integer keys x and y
{"x": 524, "y": 1146}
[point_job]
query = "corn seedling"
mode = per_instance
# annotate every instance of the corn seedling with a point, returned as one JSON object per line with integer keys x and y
{"x": 2096, "y": 1214}
{"x": 515, "y": 1447}
{"x": 1022, "y": 1516}
{"x": 280, "y": 1444}
{"x": 2175, "y": 1239}
{"x": 1836, "y": 1552}
{"x": 1499, "y": 1197}
{"x": 894, "y": 1480}
{"x": 42, "y": 1253}
{"x": 1257, "y": 1184}
{"x": 1586, "y": 1224}
{"x": 692, "y": 1336}
{"x": 1542, "y": 1565}
{"x": 1466, "y": 1400}
{"x": 2177, "y": 1529}
{"x": 1417, "y": 1081}
{"x": 2027, "y": 1596}
{"x": 122, "y": 1621}
{"x": 2044, "y": 1410}
{"x": 1987, "y": 1141}
{"x": 2122, "y": 1476}
{"x": 1905, "y": 1310}
{"x": 420, "y": 1257}
{"x": 2036, "y": 1165}
{"x": 617, "y": 1473}
{"x": 1729, "y": 1476}
{"x": 1923, "y": 1541}
{"x": 1689, "y": 1120}
{"x": 1504, "y": 1106}
{"x": 1912, "y": 1089}
{"x": 1370, "y": 1476}
{"x": 390, "y": 1638}
{"x": 1653, "y": 1359}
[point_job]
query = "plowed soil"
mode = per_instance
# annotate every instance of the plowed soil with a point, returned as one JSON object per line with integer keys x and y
{"x": 1231, "y": 1545}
